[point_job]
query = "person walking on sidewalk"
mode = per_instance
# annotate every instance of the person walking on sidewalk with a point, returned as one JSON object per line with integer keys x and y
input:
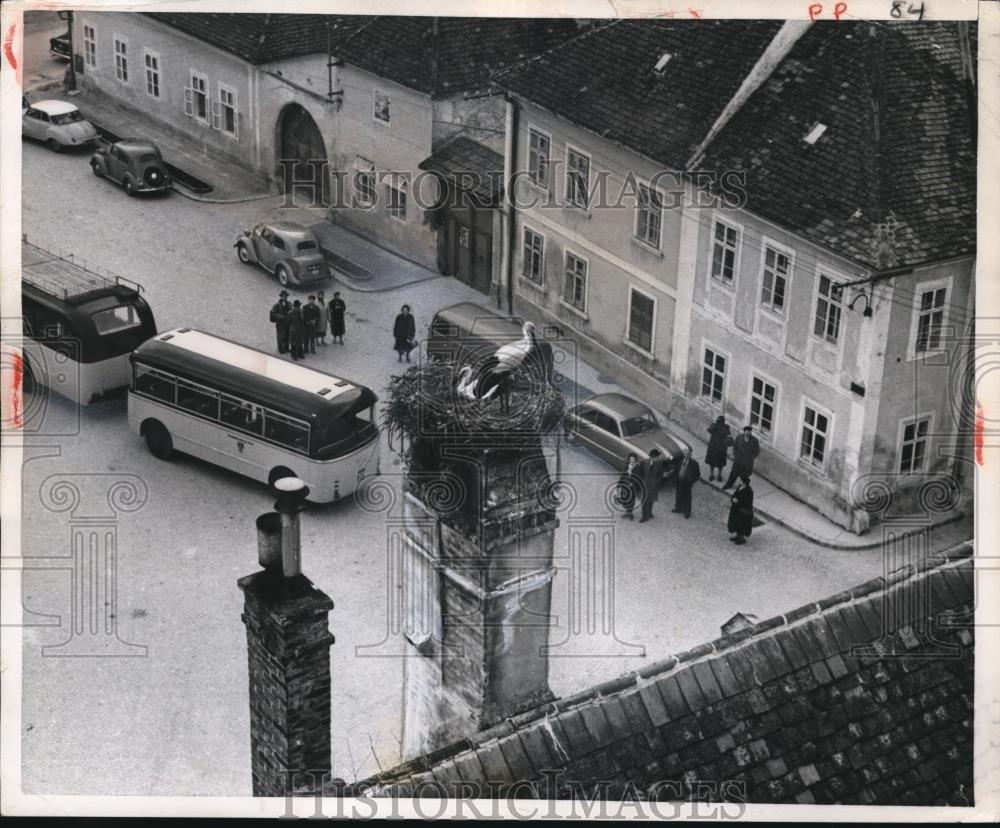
{"x": 719, "y": 441}
{"x": 688, "y": 473}
{"x": 311, "y": 319}
{"x": 335, "y": 312}
{"x": 321, "y": 324}
{"x": 652, "y": 473}
{"x": 740, "y": 523}
{"x": 404, "y": 333}
{"x": 296, "y": 331}
{"x": 279, "y": 316}
{"x": 630, "y": 486}
{"x": 746, "y": 447}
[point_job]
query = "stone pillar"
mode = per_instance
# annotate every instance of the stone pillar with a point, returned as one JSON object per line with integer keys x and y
{"x": 477, "y": 585}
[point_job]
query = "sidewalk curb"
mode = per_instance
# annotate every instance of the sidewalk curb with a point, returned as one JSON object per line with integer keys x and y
{"x": 346, "y": 282}
{"x": 184, "y": 191}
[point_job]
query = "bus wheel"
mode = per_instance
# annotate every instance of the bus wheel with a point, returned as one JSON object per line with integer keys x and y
{"x": 282, "y": 274}
{"x": 158, "y": 440}
{"x": 277, "y": 473}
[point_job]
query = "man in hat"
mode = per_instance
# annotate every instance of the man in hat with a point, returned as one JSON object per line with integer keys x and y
{"x": 746, "y": 447}
{"x": 296, "y": 330}
{"x": 740, "y": 523}
{"x": 652, "y": 474}
{"x": 311, "y": 318}
{"x": 688, "y": 473}
{"x": 279, "y": 316}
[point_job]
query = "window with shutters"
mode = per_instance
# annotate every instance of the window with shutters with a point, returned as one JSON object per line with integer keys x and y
{"x": 533, "y": 257}
{"x": 763, "y": 402}
{"x": 575, "y": 282}
{"x": 815, "y": 434}
{"x": 538, "y": 157}
{"x": 775, "y": 282}
{"x": 913, "y": 442}
{"x": 641, "y": 316}
{"x": 121, "y": 60}
{"x": 224, "y": 117}
{"x": 829, "y": 306}
{"x": 196, "y": 97}
{"x": 725, "y": 242}
{"x": 713, "y": 375}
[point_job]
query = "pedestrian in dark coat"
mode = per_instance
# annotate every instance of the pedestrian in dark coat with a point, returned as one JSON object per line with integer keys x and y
{"x": 404, "y": 333}
{"x": 741, "y": 512}
{"x": 335, "y": 312}
{"x": 718, "y": 446}
{"x": 279, "y": 316}
{"x": 687, "y": 474}
{"x": 321, "y": 324}
{"x": 296, "y": 331}
{"x": 746, "y": 447}
{"x": 630, "y": 486}
{"x": 652, "y": 474}
{"x": 311, "y": 318}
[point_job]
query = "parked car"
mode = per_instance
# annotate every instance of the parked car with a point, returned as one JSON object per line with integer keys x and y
{"x": 288, "y": 250}
{"x": 136, "y": 165}
{"x": 57, "y": 123}
{"x": 612, "y": 426}
{"x": 59, "y": 45}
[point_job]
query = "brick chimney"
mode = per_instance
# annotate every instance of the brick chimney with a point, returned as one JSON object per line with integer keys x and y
{"x": 477, "y": 584}
{"x": 288, "y": 657}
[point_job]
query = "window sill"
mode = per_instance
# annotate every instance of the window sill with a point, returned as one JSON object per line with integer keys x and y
{"x": 631, "y": 345}
{"x": 575, "y": 310}
{"x": 647, "y": 248}
{"x": 819, "y": 471}
{"x": 524, "y": 280}
{"x": 728, "y": 287}
{"x": 770, "y": 314}
{"x": 914, "y": 356}
{"x": 575, "y": 209}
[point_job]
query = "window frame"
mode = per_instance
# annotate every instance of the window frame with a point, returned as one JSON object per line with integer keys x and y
{"x": 544, "y": 185}
{"x": 540, "y": 282}
{"x": 828, "y": 435}
{"x": 90, "y": 45}
{"x": 394, "y": 210}
{"x": 146, "y": 55}
{"x": 563, "y": 300}
{"x": 719, "y": 404}
{"x": 649, "y": 188}
{"x": 834, "y": 279}
{"x": 945, "y": 283}
{"x": 914, "y": 420}
{"x": 570, "y": 203}
{"x": 651, "y": 353}
{"x": 219, "y": 107}
{"x": 738, "y": 229}
{"x": 786, "y": 251}
{"x": 764, "y": 378}
{"x": 376, "y": 94}
{"x": 121, "y": 59}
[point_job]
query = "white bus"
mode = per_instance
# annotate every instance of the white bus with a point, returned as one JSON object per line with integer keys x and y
{"x": 252, "y": 413}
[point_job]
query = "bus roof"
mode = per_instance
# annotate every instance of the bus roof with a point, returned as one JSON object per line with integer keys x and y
{"x": 241, "y": 371}
{"x": 64, "y": 279}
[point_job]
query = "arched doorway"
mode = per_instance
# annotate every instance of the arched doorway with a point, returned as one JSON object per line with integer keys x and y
{"x": 301, "y": 165}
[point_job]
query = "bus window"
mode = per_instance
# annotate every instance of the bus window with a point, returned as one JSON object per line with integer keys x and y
{"x": 197, "y": 400}
{"x": 285, "y": 431}
{"x": 119, "y": 318}
{"x": 242, "y": 415}
{"x": 153, "y": 383}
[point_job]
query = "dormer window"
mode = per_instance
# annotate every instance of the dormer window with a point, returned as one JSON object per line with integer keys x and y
{"x": 661, "y": 64}
{"x": 815, "y": 133}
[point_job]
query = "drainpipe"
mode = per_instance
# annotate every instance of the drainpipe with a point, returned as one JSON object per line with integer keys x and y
{"x": 72, "y": 52}
{"x": 510, "y": 155}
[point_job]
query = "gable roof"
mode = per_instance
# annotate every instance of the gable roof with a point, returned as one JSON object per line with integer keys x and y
{"x": 899, "y": 145}
{"x": 606, "y": 80}
{"x": 813, "y": 706}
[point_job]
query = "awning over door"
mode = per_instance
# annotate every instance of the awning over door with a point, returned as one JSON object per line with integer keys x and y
{"x": 471, "y": 167}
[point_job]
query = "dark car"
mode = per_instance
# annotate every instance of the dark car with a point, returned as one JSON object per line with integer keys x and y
{"x": 612, "y": 426}
{"x": 59, "y": 46}
{"x": 288, "y": 250}
{"x": 136, "y": 165}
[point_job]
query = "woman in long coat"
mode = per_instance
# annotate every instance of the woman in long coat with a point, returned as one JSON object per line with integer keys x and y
{"x": 404, "y": 333}
{"x": 335, "y": 311}
{"x": 741, "y": 512}
{"x": 718, "y": 443}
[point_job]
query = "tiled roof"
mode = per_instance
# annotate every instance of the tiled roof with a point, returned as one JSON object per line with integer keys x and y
{"x": 606, "y": 81}
{"x": 439, "y": 56}
{"x": 462, "y": 156}
{"x": 827, "y": 704}
{"x": 898, "y": 141}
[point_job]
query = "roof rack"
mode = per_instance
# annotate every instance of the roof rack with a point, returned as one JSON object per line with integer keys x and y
{"x": 62, "y": 276}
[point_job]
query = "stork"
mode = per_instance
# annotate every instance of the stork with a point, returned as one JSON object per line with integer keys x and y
{"x": 497, "y": 372}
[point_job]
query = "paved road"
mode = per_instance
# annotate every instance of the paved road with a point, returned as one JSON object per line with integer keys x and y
{"x": 176, "y": 721}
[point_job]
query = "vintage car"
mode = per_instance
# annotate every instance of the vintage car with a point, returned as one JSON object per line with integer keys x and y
{"x": 58, "y": 124}
{"x": 288, "y": 250}
{"x": 612, "y": 426}
{"x": 136, "y": 165}
{"x": 59, "y": 45}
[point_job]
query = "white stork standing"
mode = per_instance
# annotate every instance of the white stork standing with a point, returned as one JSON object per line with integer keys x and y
{"x": 497, "y": 372}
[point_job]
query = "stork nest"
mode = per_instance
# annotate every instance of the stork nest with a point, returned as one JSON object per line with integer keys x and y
{"x": 423, "y": 403}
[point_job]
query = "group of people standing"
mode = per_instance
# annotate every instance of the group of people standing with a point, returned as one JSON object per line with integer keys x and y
{"x": 640, "y": 480}
{"x": 299, "y": 327}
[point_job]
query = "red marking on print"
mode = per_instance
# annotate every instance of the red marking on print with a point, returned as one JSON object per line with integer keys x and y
{"x": 816, "y": 9}
{"x": 980, "y": 425}
{"x": 694, "y": 13}
{"x": 15, "y": 390}
{"x": 8, "y": 46}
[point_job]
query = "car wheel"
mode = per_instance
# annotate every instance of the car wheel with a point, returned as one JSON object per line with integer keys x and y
{"x": 96, "y": 168}
{"x": 128, "y": 186}
{"x": 282, "y": 274}
{"x": 158, "y": 440}
{"x": 243, "y": 253}
{"x": 53, "y": 145}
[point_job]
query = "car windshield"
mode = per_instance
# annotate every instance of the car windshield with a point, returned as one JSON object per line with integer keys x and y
{"x": 149, "y": 157}
{"x": 70, "y": 117}
{"x": 119, "y": 318}
{"x": 639, "y": 425}
{"x": 303, "y": 246}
